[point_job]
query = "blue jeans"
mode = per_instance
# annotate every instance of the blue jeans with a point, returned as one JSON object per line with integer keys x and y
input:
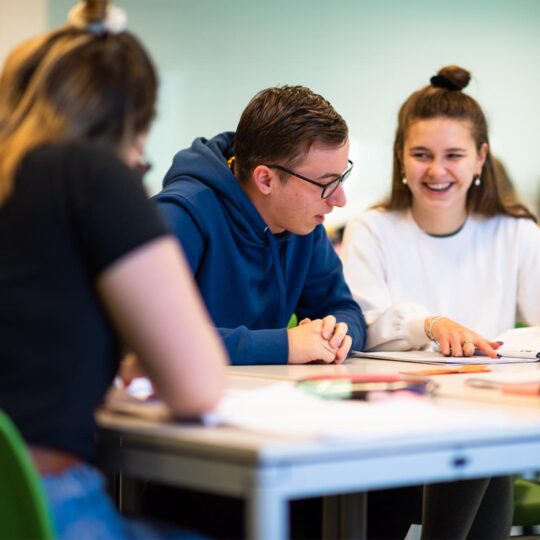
{"x": 81, "y": 510}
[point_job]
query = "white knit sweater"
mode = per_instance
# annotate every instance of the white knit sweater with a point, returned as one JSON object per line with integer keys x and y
{"x": 485, "y": 277}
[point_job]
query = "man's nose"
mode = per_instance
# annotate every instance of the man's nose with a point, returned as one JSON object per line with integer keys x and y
{"x": 338, "y": 198}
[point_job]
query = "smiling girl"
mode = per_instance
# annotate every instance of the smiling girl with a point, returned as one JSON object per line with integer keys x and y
{"x": 445, "y": 259}
{"x": 444, "y": 255}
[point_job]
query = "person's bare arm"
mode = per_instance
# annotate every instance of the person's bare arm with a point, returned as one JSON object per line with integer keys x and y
{"x": 151, "y": 299}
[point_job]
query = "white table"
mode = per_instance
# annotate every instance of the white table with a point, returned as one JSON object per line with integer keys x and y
{"x": 269, "y": 471}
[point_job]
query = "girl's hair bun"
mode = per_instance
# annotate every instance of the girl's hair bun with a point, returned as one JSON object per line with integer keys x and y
{"x": 451, "y": 78}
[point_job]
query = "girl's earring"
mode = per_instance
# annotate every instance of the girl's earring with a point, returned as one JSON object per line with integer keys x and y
{"x": 477, "y": 180}
{"x": 404, "y": 181}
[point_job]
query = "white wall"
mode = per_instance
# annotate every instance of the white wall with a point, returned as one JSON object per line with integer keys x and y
{"x": 19, "y": 20}
{"x": 366, "y": 57}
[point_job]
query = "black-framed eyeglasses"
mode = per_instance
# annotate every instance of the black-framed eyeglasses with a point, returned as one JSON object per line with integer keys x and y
{"x": 327, "y": 189}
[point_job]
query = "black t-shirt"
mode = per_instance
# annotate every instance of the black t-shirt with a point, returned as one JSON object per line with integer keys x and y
{"x": 75, "y": 210}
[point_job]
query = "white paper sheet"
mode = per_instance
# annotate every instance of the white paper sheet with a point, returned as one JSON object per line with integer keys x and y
{"x": 282, "y": 409}
{"x": 520, "y": 339}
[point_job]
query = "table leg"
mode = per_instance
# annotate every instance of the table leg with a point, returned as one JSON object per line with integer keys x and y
{"x": 267, "y": 515}
{"x": 353, "y": 516}
{"x": 344, "y": 516}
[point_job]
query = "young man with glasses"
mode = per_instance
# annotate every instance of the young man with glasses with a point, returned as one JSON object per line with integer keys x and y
{"x": 248, "y": 208}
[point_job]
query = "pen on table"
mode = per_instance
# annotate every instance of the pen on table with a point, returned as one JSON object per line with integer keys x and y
{"x": 468, "y": 368}
{"x": 521, "y": 389}
{"x": 522, "y": 353}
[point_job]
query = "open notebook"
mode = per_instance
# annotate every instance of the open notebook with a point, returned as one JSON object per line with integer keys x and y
{"x": 520, "y": 345}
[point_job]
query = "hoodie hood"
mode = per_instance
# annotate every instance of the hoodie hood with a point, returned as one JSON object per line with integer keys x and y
{"x": 205, "y": 162}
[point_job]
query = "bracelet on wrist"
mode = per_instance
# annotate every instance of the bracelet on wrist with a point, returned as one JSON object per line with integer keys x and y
{"x": 429, "y": 328}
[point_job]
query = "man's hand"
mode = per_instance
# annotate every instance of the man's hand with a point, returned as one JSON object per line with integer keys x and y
{"x": 322, "y": 339}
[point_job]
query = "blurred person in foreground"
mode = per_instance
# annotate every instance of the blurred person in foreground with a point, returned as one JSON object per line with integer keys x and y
{"x": 87, "y": 266}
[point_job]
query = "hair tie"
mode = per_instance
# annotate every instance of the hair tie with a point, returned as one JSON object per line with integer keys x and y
{"x": 115, "y": 20}
{"x": 440, "y": 81}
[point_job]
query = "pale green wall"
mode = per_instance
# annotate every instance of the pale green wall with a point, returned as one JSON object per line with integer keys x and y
{"x": 20, "y": 20}
{"x": 365, "y": 57}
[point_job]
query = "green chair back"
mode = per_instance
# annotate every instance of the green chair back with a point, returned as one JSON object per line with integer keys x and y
{"x": 23, "y": 509}
{"x": 526, "y": 502}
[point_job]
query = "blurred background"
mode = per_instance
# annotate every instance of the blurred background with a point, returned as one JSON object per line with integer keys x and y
{"x": 365, "y": 57}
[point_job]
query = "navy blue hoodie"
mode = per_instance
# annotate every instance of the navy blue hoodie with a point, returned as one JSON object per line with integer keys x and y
{"x": 251, "y": 280}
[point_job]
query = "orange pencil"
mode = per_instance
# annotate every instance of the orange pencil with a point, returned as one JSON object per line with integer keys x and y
{"x": 469, "y": 368}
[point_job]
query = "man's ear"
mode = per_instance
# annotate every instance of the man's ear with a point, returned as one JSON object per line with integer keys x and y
{"x": 264, "y": 178}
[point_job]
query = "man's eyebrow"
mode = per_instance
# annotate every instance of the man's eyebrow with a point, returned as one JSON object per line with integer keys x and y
{"x": 329, "y": 175}
{"x": 333, "y": 174}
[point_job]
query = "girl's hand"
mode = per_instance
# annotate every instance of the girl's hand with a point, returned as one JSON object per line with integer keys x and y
{"x": 457, "y": 340}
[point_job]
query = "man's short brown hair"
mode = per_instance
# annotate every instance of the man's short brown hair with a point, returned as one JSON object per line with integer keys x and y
{"x": 280, "y": 125}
